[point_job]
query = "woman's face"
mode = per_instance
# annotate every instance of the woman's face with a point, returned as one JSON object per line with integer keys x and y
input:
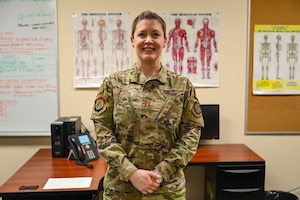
{"x": 148, "y": 40}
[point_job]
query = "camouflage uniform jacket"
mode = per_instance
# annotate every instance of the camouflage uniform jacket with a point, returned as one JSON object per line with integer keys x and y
{"x": 146, "y": 123}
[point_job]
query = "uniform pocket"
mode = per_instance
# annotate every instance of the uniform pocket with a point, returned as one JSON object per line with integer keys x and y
{"x": 169, "y": 115}
{"x": 124, "y": 110}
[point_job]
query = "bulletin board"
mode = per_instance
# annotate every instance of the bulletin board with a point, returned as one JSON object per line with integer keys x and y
{"x": 28, "y": 67}
{"x": 271, "y": 114}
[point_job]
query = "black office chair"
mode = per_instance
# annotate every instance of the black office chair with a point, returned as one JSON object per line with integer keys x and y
{"x": 279, "y": 195}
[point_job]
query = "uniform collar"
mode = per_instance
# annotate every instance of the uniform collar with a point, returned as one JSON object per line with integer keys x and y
{"x": 135, "y": 76}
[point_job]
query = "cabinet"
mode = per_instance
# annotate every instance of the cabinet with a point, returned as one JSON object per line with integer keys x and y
{"x": 232, "y": 172}
{"x": 235, "y": 181}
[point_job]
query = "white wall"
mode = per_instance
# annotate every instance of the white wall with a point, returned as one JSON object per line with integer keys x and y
{"x": 281, "y": 152}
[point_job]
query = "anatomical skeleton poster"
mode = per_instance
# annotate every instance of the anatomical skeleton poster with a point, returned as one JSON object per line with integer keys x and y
{"x": 101, "y": 46}
{"x": 276, "y": 69}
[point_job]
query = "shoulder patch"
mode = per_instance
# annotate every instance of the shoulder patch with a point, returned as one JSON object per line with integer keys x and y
{"x": 196, "y": 110}
{"x": 99, "y": 105}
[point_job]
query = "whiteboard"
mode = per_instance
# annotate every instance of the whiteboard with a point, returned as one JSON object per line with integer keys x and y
{"x": 28, "y": 67}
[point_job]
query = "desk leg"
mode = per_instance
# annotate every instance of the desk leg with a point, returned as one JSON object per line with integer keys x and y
{"x": 210, "y": 182}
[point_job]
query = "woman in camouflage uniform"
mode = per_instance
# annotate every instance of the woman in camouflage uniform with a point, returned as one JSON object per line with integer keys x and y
{"x": 147, "y": 121}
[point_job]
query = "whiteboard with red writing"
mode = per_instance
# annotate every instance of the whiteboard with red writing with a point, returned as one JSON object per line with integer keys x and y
{"x": 28, "y": 67}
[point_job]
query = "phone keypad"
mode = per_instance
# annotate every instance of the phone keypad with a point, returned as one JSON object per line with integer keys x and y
{"x": 91, "y": 154}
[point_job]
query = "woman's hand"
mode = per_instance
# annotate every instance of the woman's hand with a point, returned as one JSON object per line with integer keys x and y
{"x": 144, "y": 181}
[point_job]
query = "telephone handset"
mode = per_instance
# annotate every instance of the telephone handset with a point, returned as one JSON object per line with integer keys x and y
{"x": 84, "y": 148}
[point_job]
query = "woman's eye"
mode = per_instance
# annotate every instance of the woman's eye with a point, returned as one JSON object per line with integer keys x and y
{"x": 156, "y": 35}
{"x": 142, "y": 35}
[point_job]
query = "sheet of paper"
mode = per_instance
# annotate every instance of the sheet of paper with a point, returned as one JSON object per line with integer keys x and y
{"x": 64, "y": 183}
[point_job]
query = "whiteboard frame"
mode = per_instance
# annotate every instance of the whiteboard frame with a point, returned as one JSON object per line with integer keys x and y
{"x": 47, "y": 131}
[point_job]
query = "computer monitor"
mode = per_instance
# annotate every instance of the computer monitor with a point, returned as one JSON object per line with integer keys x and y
{"x": 211, "y": 119}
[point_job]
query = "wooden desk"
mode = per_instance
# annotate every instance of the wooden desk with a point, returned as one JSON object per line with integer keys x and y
{"x": 42, "y": 166}
{"x": 232, "y": 171}
{"x": 225, "y": 153}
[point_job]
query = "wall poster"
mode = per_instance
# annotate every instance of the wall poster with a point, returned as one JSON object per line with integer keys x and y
{"x": 192, "y": 49}
{"x": 275, "y": 60}
{"x": 101, "y": 46}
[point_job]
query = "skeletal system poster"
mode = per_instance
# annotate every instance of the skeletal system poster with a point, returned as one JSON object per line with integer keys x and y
{"x": 275, "y": 60}
{"x": 101, "y": 46}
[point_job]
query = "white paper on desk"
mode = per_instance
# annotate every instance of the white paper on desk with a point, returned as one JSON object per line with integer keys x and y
{"x": 64, "y": 183}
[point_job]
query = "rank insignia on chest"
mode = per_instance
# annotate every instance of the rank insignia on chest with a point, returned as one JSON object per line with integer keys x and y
{"x": 197, "y": 110}
{"x": 99, "y": 105}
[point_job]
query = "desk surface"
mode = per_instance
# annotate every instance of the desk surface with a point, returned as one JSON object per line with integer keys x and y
{"x": 42, "y": 166}
{"x": 225, "y": 153}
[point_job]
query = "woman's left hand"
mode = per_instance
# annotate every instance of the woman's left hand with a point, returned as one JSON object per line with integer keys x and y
{"x": 144, "y": 181}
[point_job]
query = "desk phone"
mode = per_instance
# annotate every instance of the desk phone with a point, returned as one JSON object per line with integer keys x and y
{"x": 84, "y": 147}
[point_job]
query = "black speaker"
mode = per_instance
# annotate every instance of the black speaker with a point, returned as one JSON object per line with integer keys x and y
{"x": 57, "y": 139}
{"x": 60, "y": 130}
{"x": 72, "y": 125}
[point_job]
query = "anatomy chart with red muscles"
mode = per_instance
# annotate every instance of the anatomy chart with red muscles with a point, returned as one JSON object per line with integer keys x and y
{"x": 101, "y": 46}
{"x": 192, "y": 47}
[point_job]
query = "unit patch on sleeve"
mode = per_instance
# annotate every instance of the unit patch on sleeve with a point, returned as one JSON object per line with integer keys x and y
{"x": 99, "y": 105}
{"x": 197, "y": 110}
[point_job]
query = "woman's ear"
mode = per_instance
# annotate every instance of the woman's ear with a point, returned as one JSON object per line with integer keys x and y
{"x": 131, "y": 39}
{"x": 166, "y": 40}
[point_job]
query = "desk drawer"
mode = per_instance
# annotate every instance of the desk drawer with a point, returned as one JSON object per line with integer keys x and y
{"x": 241, "y": 194}
{"x": 240, "y": 177}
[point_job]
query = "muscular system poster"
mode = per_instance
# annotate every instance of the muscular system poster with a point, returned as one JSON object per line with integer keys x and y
{"x": 192, "y": 48}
